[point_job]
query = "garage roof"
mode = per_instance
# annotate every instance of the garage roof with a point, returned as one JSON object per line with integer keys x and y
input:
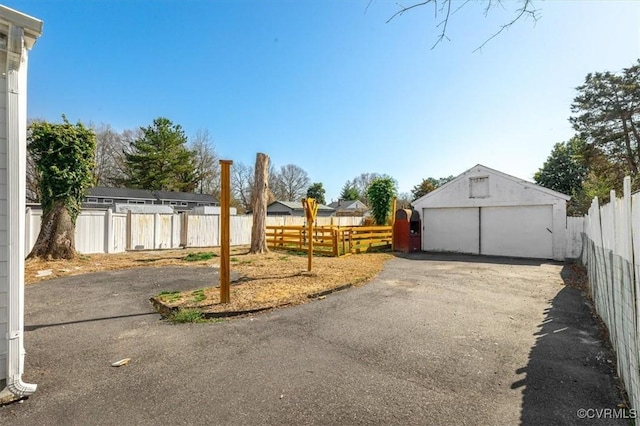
{"x": 514, "y": 179}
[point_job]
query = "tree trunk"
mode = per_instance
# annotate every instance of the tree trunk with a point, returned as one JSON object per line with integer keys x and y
{"x": 57, "y": 235}
{"x": 627, "y": 141}
{"x": 260, "y": 199}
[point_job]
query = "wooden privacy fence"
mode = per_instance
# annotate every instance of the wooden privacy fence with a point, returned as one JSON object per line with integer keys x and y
{"x": 331, "y": 240}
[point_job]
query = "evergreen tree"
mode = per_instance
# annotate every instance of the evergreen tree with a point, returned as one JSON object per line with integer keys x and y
{"x": 349, "y": 192}
{"x": 316, "y": 190}
{"x": 160, "y": 160}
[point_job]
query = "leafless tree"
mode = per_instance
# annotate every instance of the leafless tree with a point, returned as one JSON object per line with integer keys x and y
{"x": 242, "y": 178}
{"x": 445, "y": 9}
{"x": 207, "y": 163}
{"x": 109, "y": 156}
{"x": 291, "y": 183}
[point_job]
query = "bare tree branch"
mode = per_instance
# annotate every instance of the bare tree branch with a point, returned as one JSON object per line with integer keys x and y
{"x": 523, "y": 11}
{"x": 445, "y": 21}
{"x": 403, "y": 9}
{"x": 526, "y": 11}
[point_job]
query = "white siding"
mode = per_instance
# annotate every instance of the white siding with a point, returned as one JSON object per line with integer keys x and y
{"x": 4, "y": 284}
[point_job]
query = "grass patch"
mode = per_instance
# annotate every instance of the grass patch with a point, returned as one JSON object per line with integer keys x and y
{"x": 170, "y": 296}
{"x": 198, "y": 295}
{"x": 194, "y": 257}
{"x": 234, "y": 259}
{"x": 188, "y": 315}
{"x": 283, "y": 257}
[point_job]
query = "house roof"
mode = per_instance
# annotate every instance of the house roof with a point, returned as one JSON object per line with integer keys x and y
{"x": 501, "y": 174}
{"x": 120, "y": 193}
{"x": 143, "y": 194}
{"x": 297, "y": 205}
{"x": 32, "y": 26}
{"x": 347, "y": 205}
{"x": 185, "y": 196}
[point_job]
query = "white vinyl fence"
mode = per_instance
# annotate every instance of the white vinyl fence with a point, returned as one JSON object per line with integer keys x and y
{"x": 101, "y": 231}
{"x": 611, "y": 254}
{"x": 575, "y": 227}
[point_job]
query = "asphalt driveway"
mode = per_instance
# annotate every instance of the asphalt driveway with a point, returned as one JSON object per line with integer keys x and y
{"x": 433, "y": 340}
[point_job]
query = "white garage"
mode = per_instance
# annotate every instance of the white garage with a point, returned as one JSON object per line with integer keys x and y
{"x": 484, "y": 211}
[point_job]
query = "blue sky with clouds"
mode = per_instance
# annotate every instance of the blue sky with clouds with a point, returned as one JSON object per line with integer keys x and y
{"x": 328, "y": 85}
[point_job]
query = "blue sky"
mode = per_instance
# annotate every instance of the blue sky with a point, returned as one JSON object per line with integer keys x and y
{"x": 328, "y": 85}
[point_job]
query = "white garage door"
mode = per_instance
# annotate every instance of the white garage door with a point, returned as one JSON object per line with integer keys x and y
{"x": 519, "y": 231}
{"x": 454, "y": 229}
{"x": 523, "y": 231}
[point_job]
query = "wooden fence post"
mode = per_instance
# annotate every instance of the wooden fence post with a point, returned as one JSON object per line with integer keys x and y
{"x": 311, "y": 210}
{"x": 225, "y": 197}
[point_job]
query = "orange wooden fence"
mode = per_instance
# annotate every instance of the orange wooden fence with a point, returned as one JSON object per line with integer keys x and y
{"x": 331, "y": 240}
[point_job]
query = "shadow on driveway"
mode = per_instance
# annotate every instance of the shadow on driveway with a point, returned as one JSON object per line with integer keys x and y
{"x": 472, "y": 258}
{"x": 569, "y": 367}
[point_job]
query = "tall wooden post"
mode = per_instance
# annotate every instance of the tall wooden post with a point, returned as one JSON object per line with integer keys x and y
{"x": 225, "y": 197}
{"x": 310, "y": 210}
{"x": 394, "y": 206}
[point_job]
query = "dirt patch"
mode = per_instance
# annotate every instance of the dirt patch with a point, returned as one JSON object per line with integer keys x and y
{"x": 274, "y": 279}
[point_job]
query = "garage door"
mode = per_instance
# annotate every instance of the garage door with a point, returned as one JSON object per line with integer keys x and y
{"x": 518, "y": 231}
{"x": 450, "y": 229}
{"x": 522, "y": 231}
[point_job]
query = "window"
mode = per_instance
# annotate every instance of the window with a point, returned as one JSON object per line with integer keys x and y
{"x": 184, "y": 204}
{"x": 479, "y": 187}
{"x": 173, "y": 203}
{"x": 92, "y": 200}
{"x": 135, "y": 202}
{"x": 107, "y": 201}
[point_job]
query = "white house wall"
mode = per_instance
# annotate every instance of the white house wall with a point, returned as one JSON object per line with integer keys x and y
{"x": 4, "y": 284}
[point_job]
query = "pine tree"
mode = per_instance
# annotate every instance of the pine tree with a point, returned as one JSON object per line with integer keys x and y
{"x": 160, "y": 160}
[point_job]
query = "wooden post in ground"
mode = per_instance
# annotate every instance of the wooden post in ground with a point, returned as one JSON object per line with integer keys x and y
{"x": 310, "y": 210}
{"x": 394, "y": 206}
{"x": 225, "y": 198}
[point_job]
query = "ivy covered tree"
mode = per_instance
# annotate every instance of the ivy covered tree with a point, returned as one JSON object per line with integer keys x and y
{"x": 316, "y": 191}
{"x": 380, "y": 194}
{"x": 160, "y": 160}
{"x": 64, "y": 157}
